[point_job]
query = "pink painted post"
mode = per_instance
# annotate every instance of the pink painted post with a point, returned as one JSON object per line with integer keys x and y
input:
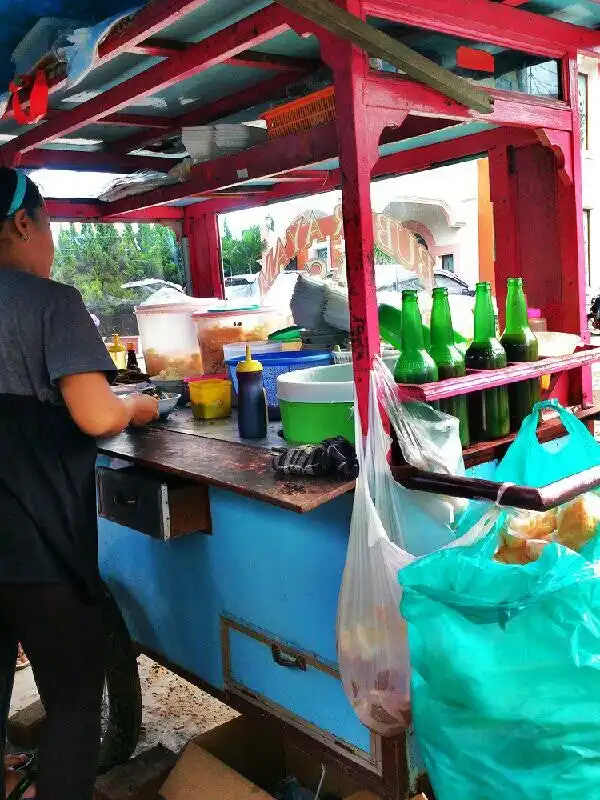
{"x": 358, "y": 154}
{"x": 507, "y": 262}
{"x": 204, "y": 250}
{"x": 572, "y": 241}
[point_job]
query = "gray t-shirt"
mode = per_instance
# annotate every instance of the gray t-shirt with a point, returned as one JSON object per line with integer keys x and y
{"x": 46, "y": 333}
{"x": 48, "y": 528}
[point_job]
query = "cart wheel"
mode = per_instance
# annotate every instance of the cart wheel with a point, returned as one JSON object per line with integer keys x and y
{"x": 122, "y": 701}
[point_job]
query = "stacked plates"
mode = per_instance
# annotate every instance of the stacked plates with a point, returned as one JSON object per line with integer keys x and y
{"x": 337, "y": 313}
{"x": 211, "y": 141}
{"x": 308, "y": 303}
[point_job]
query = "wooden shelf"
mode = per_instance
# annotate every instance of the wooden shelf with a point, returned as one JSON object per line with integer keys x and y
{"x": 476, "y": 380}
{"x": 525, "y": 497}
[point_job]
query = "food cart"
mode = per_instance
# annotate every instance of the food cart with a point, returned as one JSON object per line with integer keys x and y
{"x": 245, "y": 605}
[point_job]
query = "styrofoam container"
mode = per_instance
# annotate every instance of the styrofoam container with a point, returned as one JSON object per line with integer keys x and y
{"x": 552, "y": 344}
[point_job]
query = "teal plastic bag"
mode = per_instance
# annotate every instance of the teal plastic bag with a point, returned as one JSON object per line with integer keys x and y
{"x": 505, "y": 659}
{"x": 530, "y": 463}
{"x": 506, "y": 674}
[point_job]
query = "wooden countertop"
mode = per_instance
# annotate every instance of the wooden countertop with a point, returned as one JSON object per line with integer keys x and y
{"x": 241, "y": 468}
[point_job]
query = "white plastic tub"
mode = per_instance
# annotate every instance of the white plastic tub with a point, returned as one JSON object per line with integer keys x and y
{"x": 318, "y": 403}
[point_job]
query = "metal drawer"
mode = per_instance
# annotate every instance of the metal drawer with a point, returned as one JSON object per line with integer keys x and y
{"x": 296, "y": 687}
{"x": 160, "y": 506}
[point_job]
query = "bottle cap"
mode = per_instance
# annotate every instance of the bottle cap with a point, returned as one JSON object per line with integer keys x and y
{"x": 131, "y": 346}
{"x": 249, "y": 365}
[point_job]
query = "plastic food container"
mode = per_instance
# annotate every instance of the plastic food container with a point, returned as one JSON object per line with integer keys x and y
{"x": 537, "y": 322}
{"x": 276, "y": 364}
{"x": 169, "y": 341}
{"x": 211, "y": 399}
{"x": 218, "y": 328}
{"x": 318, "y": 403}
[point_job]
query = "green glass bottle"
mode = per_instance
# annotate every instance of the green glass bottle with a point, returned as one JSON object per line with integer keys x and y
{"x": 521, "y": 345}
{"x": 390, "y": 325}
{"x": 488, "y": 410}
{"x": 448, "y": 358}
{"x": 414, "y": 365}
{"x": 390, "y": 329}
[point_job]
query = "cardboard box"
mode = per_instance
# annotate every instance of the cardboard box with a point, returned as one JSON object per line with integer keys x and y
{"x": 227, "y": 763}
{"x": 200, "y": 776}
{"x": 233, "y": 760}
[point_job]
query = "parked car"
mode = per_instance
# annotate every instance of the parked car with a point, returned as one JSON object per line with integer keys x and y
{"x": 395, "y": 278}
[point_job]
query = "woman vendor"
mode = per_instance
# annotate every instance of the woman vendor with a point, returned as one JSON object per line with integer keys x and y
{"x": 55, "y": 401}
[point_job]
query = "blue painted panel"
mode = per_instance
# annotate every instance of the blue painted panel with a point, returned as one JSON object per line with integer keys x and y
{"x": 304, "y": 693}
{"x": 277, "y": 570}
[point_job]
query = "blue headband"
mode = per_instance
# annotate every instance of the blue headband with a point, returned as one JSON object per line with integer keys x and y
{"x": 19, "y": 194}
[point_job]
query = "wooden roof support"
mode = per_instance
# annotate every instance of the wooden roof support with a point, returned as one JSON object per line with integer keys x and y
{"x": 376, "y": 43}
{"x": 94, "y": 161}
{"x": 250, "y": 31}
{"x": 483, "y": 21}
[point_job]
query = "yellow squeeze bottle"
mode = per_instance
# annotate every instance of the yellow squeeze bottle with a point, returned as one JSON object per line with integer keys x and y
{"x": 118, "y": 352}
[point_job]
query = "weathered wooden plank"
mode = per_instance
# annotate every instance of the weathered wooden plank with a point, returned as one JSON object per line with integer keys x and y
{"x": 378, "y": 44}
{"x": 239, "y": 468}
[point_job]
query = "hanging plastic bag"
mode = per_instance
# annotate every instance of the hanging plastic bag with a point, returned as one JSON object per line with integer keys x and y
{"x": 504, "y": 657}
{"x": 428, "y": 439}
{"x": 531, "y": 463}
{"x": 389, "y": 529}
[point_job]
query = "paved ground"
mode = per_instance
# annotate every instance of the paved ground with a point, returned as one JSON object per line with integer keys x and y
{"x": 174, "y": 711}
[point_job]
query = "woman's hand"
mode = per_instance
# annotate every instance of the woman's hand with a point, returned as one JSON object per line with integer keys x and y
{"x": 96, "y": 409}
{"x": 144, "y": 409}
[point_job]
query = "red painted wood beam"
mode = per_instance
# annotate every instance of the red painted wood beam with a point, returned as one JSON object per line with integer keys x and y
{"x": 304, "y": 176}
{"x": 204, "y": 249}
{"x": 232, "y": 104}
{"x": 392, "y": 93}
{"x": 480, "y": 20}
{"x": 93, "y": 211}
{"x": 252, "y": 30}
{"x": 253, "y": 59}
{"x": 159, "y": 48}
{"x": 125, "y": 120}
{"x": 269, "y": 61}
{"x": 137, "y": 121}
{"x": 263, "y": 161}
{"x": 94, "y": 161}
{"x": 440, "y": 153}
{"x": 148, "y": 21}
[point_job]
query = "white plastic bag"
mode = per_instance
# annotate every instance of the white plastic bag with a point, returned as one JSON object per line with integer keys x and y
{"x": 388, "y": 530}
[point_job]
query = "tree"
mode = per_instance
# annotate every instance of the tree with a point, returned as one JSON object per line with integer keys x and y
{"x": 99, "y": 258}
{"x": 241, "y": 256}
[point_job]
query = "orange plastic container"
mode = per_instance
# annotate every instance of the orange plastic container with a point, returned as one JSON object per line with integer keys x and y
{"x": 301, "y": 115}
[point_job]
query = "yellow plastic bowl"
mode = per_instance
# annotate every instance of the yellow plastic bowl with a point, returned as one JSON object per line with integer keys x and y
{"x": 211, "y": 399}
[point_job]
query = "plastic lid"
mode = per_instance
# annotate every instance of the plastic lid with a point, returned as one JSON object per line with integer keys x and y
{"x": 249, "y": 365}
{"x": 534, "y": 313}
{"x": 116, "y": 346}
{"x": 168, "y": 308}
{"x": 233, "y": 312}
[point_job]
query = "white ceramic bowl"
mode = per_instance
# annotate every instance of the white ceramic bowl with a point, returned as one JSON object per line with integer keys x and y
{"x": 167, "y": 404}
